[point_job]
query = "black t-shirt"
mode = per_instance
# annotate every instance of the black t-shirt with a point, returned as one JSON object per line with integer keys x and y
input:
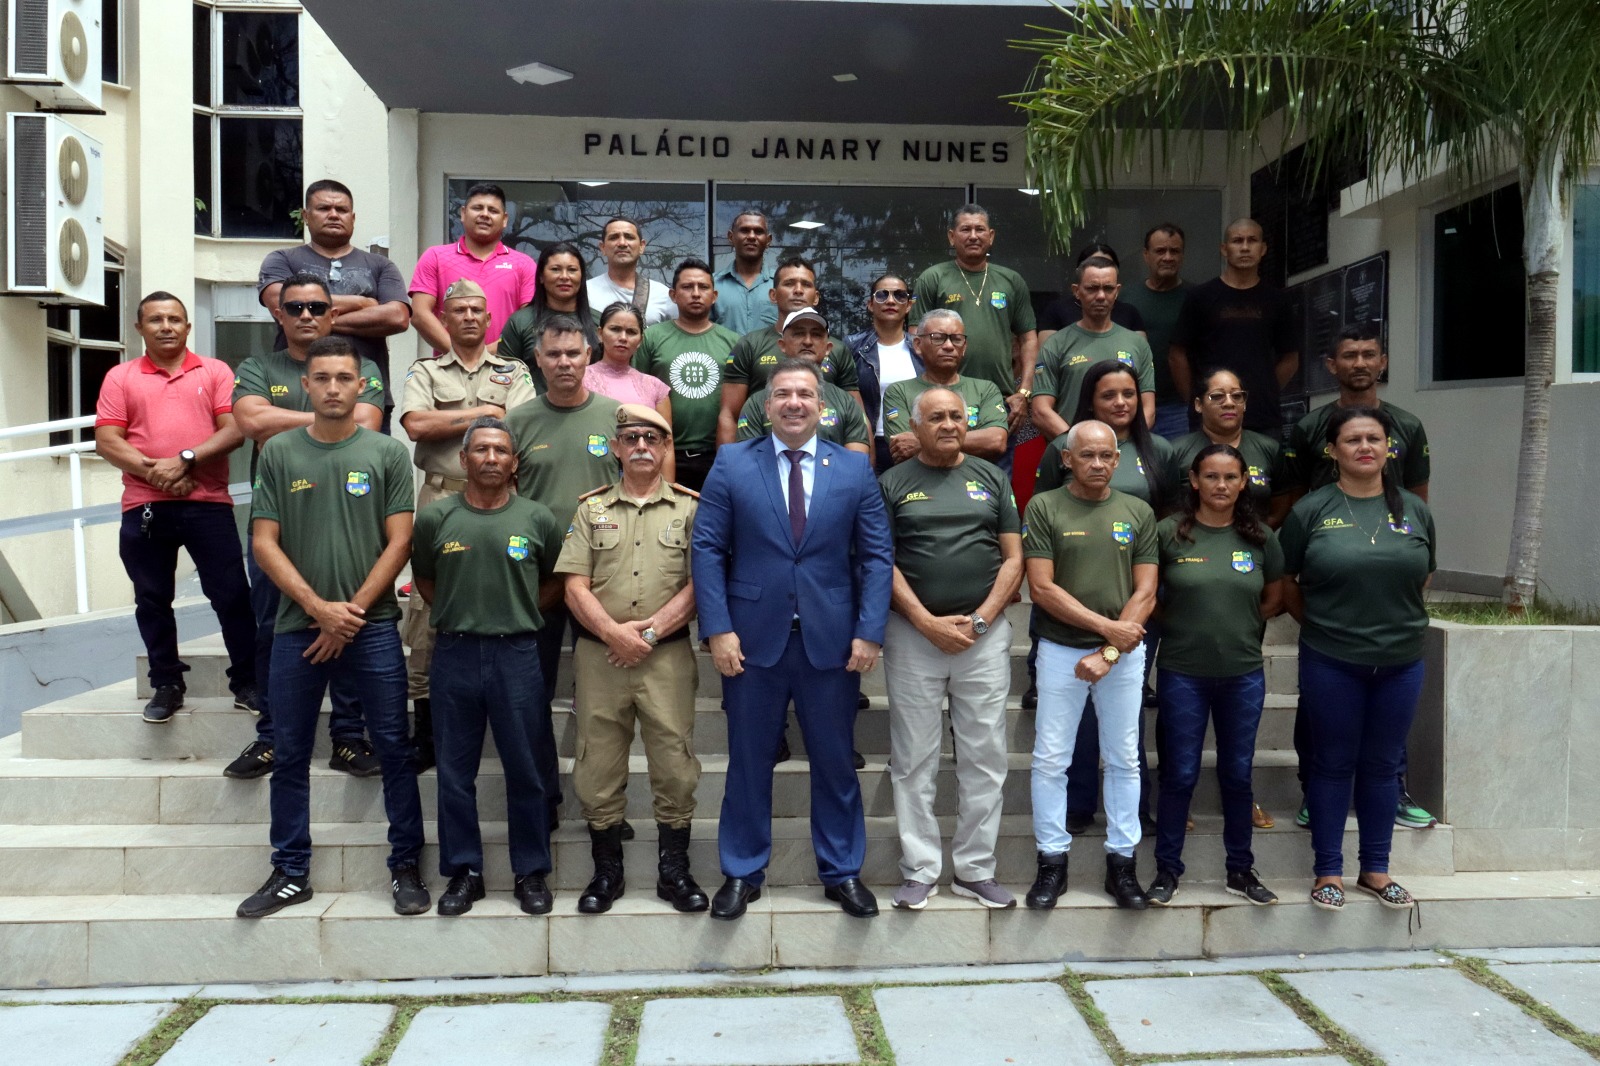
{"x": 1064, "y": 311}
{"x": 359, "y": 274}
{"x": 1242, "y": 330}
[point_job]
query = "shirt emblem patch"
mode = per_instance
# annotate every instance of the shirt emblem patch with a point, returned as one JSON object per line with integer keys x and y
{"x": 976, "y": 491}
{"x": 1125, "y": 358}
{"x": 1243, "y": 562}
{"x": 972, "y": 417}
{"x": 597, "y": 446}
{"x": 517, "y": 548}
{"x": 913, "y": 497}
{"x": 358, "y": 483}
{"x": 1399, "y": 527}
{"x": 997, "y": 300}
{"x": 830, "y": 417}
{"x": 1258, "y": 478}
{"x": 300, "y": 484}
{"x": 1122, "y": 532}
{"x": 500, "y": 379}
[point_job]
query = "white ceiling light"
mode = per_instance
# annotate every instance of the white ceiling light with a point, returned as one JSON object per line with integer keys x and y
{"x": 593, "y": 184}
{"x": 844, "y": 77}
{"x": 1029, "y": 192}
{"x": 807, "y": 224}
{"x": 538, "y": 74}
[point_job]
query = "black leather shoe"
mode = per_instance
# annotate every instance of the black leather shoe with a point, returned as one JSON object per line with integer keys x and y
{"x": 1122, "y": 882}
{"x": 859, "y": 760}
{"x": 1030, "y": 698}
{"x": 1079, "y": 823}
{"x": 863, "y": 702}
{"x": 533, "y": 894}
{"x": 784, "y": 754}
{"x": 460, "y": 894}
{"x": 731, "y": 899}
{"x": 1050, "y": 883}
{"x": 853, "y": 897}
{"x": 163, "y": 704}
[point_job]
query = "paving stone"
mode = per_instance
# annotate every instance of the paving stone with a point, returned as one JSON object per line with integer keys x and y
{"x": 1023, "y": 1024}
{"x": 506, "y": 1034}
{"x": 1172, "y": 1016}
{"x": 1433, "y": 1018}
{"x": 50, "y": 1035}
{"x": 746, "y": 1032}
{"x": 1348, "y": 960}
{"x": 1571, "y": 989}
{"x": 1315, "y": 1060}
{"x": 288, "y": 1034}
{"x": 1578, "y": 954}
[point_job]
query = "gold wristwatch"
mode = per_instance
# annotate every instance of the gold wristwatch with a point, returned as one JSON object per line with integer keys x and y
{"x": 1110, "y": 654}
{"x": 1026, "y": 394}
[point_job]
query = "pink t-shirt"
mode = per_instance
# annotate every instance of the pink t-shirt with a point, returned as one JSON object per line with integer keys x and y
{"x": 507, "y": 278}
{"x": 165, "y": 414}
{"x": 625, "y": 386}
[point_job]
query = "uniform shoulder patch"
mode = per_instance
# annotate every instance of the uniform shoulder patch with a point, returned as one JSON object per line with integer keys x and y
{"x": 684, "y": 490}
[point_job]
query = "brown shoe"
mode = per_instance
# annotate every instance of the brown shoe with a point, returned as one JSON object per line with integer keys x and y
{"x": 1260, "y": 818}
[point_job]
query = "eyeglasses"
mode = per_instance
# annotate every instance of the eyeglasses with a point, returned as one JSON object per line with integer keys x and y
{"x": 883, "y": 296}
{"x": 648, "y": 436}
{"x": 938, "y": 339}
{"x": 335, "y": 271}
{"x": 1237, "y": 396}
{"x": 296, "y": 308}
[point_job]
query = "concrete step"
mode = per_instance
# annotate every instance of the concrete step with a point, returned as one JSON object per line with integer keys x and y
{"x": 234, "y": 858}
{"x": 208, "y": 664}
{"x": 141, "y": 792}
{"x": 105, "y": 724}
{"x": 73, "y": 941}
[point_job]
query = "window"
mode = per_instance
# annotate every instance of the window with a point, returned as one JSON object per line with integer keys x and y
{"x": 247, "y": 122}
{"x": 111, "y": 41}
{"x": 1479, "y": 289}
{"x": 1586, "y": 280}
{"x": 82, "y": 344}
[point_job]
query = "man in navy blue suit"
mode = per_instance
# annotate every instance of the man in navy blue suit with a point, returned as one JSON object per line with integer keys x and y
{"x": 793, "y": 564}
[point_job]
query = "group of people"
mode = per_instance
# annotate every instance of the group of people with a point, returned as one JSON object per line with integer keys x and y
{"x": 643, "y": 466}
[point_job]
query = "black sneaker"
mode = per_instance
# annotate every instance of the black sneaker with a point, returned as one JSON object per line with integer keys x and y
{"x": 533, "y": 894}
{"x": 163, "y": 704}
{"x": 410, "y": 894}
{"x": 254, "y": 761}
{"x": 463, "y": 891}
{"x": 355, "y": 758}
{"x": 1030, "y": 698}
{"x": 1245, "y": 883}
{"x": 248, "y": 699}
{"x": 280, "y": 891}
{"x": 1163, "y": 888}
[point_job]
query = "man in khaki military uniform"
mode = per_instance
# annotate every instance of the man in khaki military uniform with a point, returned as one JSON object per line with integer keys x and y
{"x": 442, "y": 396}
{"x": 626, "y": 559}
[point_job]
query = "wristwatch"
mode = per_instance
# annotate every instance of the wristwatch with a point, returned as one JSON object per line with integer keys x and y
{"x": 1026, "y": 394}
{"x": 979, "y": 626}
{"x": 188, "y": 456}
{"x": 649, "y": 636}
{"x": 1110, "y": 654}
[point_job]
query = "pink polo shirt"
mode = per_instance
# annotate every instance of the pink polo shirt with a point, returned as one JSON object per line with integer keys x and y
{"x": 166, "y": 413}
{"x": 507, "y": 278}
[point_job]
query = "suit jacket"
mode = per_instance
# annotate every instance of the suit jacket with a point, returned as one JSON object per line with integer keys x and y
{"x": 750, "y": 578}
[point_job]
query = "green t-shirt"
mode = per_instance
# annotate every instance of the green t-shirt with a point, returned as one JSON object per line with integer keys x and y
{"x": 1002, "y": 310}
{"x": 564, "y": 452}
{"x": 692, "y": 365}
{"x": 1160, "y": 313}
{"x": 275, "y": 377}
{"x": 1095, "y": 546}
{"x": 756, "y": 355}
{"x": 330, "y": 502}
{"x": 1127, "y": 477}
{"x": 986, "y": 408}
{"x": 486, "y": 566}
{"x": 946, "y": 524}
{"x": 843, "y": 421}
{"x": 1361, "y": 574}
{"x": 1308, "y": 462}
{"x": 1263, "y": 459}
{"x": 1211, "y": 622}
{"x": 1066, "y": 357}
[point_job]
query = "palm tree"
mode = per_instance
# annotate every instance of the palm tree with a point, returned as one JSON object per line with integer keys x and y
{"x": 1463, "y": 88}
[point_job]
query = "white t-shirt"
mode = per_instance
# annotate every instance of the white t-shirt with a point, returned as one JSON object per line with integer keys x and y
{"x": 894, "y": 364}
{"x": 603, "y": 292}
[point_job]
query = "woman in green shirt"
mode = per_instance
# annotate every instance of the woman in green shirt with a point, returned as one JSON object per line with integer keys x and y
{"x": 1359, "y": 553}
{"x": 1220, "y": 570}
{"x": 1221, "y": 404}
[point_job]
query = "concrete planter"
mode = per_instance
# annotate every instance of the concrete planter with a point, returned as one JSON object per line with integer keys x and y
{"x": 1506, "y": 742}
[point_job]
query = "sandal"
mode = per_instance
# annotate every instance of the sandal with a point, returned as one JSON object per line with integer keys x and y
{"x": 1390, "y": 895}
{"x": 1330, "y": 897}
{"x": 1260, "y": 818}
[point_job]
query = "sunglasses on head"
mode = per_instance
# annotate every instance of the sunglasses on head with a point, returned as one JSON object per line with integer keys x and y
{"x": 296, "y": 308}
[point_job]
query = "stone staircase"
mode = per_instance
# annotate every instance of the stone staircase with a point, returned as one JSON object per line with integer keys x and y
{"x": 123, "y": 852}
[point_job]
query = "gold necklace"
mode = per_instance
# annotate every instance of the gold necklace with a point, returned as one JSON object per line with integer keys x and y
{"x": 983, "y": 283}
{"x": 1373, "y": 538}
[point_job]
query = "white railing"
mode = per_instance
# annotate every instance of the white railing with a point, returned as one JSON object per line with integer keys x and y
{"x": 74, "y": 453}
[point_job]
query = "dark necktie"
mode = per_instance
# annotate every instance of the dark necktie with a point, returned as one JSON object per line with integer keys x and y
{"x": 797, "y": 496}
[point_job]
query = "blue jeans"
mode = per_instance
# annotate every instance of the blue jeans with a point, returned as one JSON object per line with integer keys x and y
{"x": 1357, "y": 717}
{"x": 1233, "y": 704}
{"x": 344, "y": 721}
{"x": 1061, "y": 701}
{"x": 481, "y": 681}
{"x": 375, "y": 667}
{"x": 1172, "y": 420}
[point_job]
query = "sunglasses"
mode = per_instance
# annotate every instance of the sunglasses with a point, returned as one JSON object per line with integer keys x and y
{"x": 1237, "y": 396}
{"x": 649, "y": 437}
{"x": 938, "y": 339}
{"x": 296, "y": 308}
{"x": 883, "y": 296}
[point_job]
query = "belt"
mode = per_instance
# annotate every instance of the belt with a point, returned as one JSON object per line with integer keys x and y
{"x": 448, "y": 484}
{"x": 679, "y": 634}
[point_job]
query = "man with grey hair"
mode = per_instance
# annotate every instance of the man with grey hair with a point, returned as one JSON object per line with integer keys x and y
{"x": 941, "y": 341}
{"x": 1091, "y": 556}
{"x": 484, "y": 559}
{"x": 957, "y": 564}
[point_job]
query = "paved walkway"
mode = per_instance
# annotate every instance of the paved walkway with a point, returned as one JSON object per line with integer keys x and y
{"x": 1504, "y": 1006}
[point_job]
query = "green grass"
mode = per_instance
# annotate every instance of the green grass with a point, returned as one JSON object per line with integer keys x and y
{"x": 1479, "y": 970}
{"x": 160, "y": 1039}
{"x": 1489, "y": 613}
{"x": 1339, "y": 1040}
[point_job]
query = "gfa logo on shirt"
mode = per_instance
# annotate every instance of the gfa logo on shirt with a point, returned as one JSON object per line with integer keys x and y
{"x": 1122, "y": 532}
{"x": 830, "y": 417}
{"x": 358, "y": 483}
{"x": 517, "y": 547}
{"x": 976, "y": 491}
{"x": 1243, "y": 562}
{"x": 597, "y": 445}
{"x": 972, "y": 417}
{"x": 997, "y": 300}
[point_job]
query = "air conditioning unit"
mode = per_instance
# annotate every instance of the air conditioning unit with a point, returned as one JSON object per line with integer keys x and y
{"x": 53, "y": 52}
{"x": 55, "y": 240}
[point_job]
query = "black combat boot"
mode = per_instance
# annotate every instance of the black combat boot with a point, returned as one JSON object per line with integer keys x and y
{"x": 1051, "y": 882}
{"x": 675, "y": 884}
{"x": 606, "y": 847}
{"x": 1122, "y": 882}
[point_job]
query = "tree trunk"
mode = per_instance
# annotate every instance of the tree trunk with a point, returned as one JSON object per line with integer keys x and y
{"x": 1544, "y": 220}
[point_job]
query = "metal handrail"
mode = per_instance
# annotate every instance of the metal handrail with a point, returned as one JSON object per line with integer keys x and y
{"x": 74, "y": 453}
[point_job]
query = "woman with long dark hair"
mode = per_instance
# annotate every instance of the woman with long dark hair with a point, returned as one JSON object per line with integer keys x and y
{"x": 1359, "y": 554}
{"x": 1110, "y": 394}
{"x": 1220, "y": 571}
{"x": 561, "y": 272}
